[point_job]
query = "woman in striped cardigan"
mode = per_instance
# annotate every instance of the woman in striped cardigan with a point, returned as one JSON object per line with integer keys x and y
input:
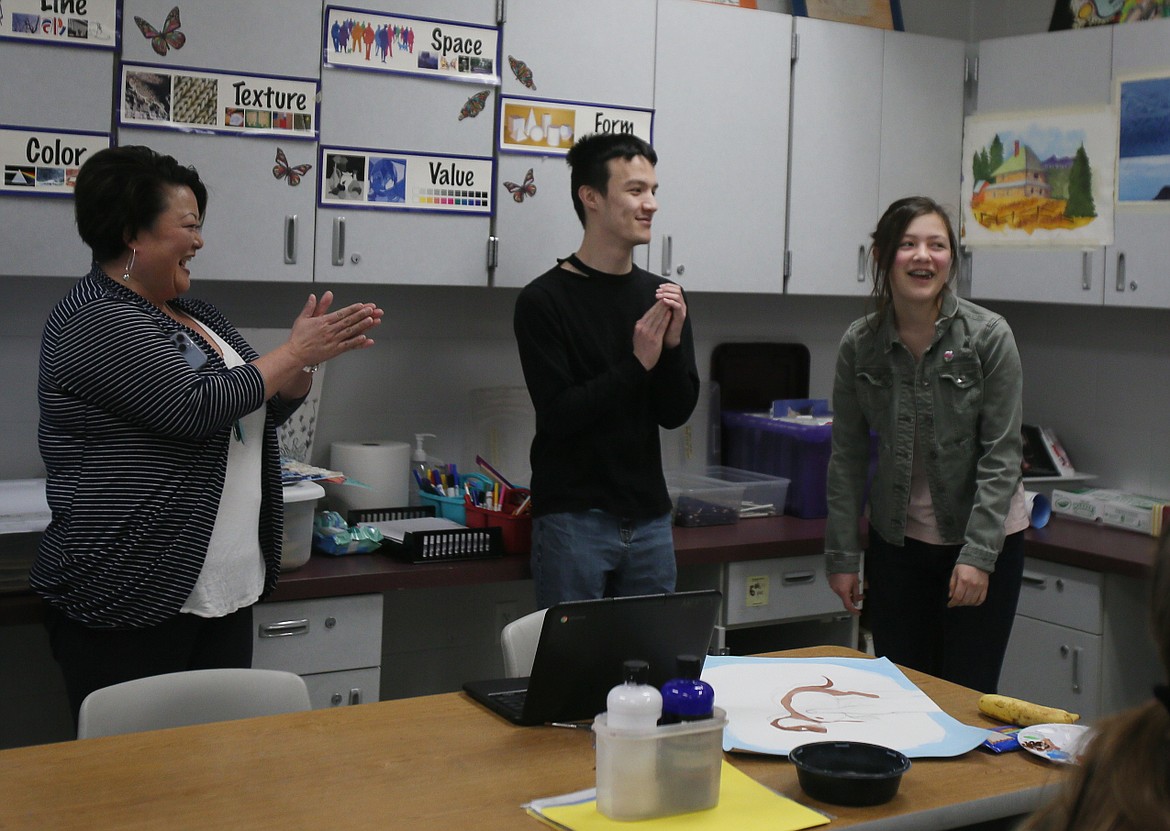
{"x": 158, "y": 432}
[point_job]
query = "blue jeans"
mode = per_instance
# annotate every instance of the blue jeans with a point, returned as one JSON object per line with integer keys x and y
{"x": 590, "y": 554}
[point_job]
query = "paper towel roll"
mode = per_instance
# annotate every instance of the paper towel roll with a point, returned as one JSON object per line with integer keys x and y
{"x": 384, "y": 466}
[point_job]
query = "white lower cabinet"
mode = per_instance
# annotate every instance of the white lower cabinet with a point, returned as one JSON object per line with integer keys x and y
{"x": 781, "y": 603}
{"x": 1080, "y": 641}
{"x": 334, "y": 643}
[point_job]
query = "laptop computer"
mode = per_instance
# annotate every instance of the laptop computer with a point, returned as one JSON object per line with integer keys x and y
{"x": 583, "y": 644}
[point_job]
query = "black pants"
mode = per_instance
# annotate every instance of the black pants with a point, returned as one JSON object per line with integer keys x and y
{"x": 906, "y": 604}
{"x": 94, "y": 658}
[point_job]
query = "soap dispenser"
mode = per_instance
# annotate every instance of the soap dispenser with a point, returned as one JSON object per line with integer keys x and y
{"x": 419, "y": 467}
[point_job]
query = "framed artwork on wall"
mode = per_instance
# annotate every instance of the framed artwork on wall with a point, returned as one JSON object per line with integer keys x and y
{"x": 1076, "y": 14}
{"x": 881, "y": 14}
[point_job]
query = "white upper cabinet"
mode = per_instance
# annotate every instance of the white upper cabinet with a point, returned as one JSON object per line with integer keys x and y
{"x": 836, "y": 140}
{"x": 877, "y": 115}
{"x": 721, "y": 97}
{"x": 370, "y": 111}
{"x": 49, "y": 87}
{"x": 1033, "y": 73}
{"x": 595, "y": 53}
{"x": 1136, "y": 271}
{"x": 258, "y": 227}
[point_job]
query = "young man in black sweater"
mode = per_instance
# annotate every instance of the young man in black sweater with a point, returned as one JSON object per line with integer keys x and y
{"x": 608, "y": 358}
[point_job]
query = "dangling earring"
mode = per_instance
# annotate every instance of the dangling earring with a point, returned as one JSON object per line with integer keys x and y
{"x": 129, "y": 265}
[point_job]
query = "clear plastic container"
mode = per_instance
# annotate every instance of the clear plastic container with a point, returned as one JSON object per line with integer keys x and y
{"x": 687, "y": 761}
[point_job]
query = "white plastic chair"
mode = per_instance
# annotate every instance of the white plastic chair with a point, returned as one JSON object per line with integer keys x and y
{"x": 518, "y": 641}
{"x": 195, "y": 697}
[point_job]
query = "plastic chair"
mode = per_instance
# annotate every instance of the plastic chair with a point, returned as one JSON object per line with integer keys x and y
{"x": 195, "y": 697}
{"x": 518, "y": 641}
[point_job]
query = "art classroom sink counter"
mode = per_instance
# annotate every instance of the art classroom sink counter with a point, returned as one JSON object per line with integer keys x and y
{"x": 1067, "y": 541}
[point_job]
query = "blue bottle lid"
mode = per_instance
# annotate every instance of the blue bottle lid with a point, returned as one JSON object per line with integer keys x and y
{"x": 687, "y": 698}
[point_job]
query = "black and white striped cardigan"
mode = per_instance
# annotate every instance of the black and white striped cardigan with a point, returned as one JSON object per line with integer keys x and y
{"x": 135, "y": 445}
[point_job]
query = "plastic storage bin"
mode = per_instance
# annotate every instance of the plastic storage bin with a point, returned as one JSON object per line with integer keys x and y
{"x": 451, "y": 507}
{"x": 516, "y": 530}
{"x": 798, "y": 452}
{"x": 672, "y": 769}
{"x": 299, "y": 502}
{"x": 701, "y": 500}
{"x": 763, "y": 494}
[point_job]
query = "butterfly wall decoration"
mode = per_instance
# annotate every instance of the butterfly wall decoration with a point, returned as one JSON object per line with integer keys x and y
{"x": 474, "y": 105}
{"x": 522, "y": 72}
{"x": 282, "y": 169}
{"x": 169, "y": 38}
{"x": 520, "y": 191}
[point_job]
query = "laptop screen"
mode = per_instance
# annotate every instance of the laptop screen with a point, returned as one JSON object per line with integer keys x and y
{"x": 584, "y": 643}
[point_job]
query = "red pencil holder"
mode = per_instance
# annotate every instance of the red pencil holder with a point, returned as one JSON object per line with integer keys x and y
{"x": 515, "y": 530}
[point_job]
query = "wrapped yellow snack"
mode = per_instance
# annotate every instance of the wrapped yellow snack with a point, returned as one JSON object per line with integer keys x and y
{"x": 1024, "y": 713}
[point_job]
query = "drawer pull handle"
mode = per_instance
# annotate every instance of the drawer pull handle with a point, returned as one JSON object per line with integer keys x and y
{"x": 355, "y": 696}
{"x": 798, "y": 578}
{"x": 1034, "y": 580}
{"x": 285, "y": 628}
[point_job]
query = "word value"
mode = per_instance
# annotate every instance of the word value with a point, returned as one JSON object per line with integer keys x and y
{"x": 450, "y": 175}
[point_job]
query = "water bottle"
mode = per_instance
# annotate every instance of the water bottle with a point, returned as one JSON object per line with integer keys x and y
{"x": 687, "y": 698}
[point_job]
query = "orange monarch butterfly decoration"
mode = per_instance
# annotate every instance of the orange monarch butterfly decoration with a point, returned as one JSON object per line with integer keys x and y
{"x": 520, "y": 191}
{"x": 282, "y": 169}
{"x": 169, "y": 38}
{"x": 522, "y": 72}
{"x": 474, "y": 105}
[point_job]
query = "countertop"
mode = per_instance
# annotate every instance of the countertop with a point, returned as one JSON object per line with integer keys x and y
{"x": 1067, "y": 541}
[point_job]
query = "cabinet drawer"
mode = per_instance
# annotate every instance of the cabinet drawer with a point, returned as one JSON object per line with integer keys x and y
{"x": 1053, "y": 665}
{"x": 320, "y": 635}
{"x": 339, "y": 689}
{"x": 1060, "y": 594}
{"x": 780, "y": 589}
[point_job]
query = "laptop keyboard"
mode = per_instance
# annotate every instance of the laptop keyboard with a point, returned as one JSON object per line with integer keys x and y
{"x": 512, "y": 700}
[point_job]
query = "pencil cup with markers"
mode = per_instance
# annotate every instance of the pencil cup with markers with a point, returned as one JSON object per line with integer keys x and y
{"x": 508, "y": 509}
{"x": 452, "y": 506}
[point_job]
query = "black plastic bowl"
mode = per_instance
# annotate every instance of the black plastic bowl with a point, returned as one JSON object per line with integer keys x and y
{"x": 849, "y": 773}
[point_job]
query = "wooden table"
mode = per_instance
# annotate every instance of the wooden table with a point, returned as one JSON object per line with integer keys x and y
{"x": 434, "y": 762}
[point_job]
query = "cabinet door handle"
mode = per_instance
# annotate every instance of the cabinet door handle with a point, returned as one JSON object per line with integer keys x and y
{"x": 1121, "y": 271}
{"x": 798, "y": 578}
{"x": 1035, "y": 580}
{"x": 284, "y": 628}
{"x": 355, "y": 696}
{"x": 861, "y": 263}
{"x": 1087, "y": 270}
{"x": 667, "y": 246}
{"x": 339, "y": 240}
{"x": 290, "y": 240}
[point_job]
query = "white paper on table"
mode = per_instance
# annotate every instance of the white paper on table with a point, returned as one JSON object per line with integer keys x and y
{"x": 776, "y": 704}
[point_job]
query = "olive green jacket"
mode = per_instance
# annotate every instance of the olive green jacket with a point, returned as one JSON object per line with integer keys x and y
{"x": 965, "y": 396}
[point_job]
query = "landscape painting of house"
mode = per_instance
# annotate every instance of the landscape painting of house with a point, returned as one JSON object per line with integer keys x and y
{"x": 1039, "y": 178}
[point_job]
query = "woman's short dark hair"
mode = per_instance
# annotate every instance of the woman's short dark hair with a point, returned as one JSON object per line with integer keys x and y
{"x": 589, "y": 159}
{"x": 121, "y": 191}
{"x": 888, "y": 234}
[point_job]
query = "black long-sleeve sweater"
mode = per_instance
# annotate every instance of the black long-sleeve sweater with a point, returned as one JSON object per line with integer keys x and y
{"x": 597, "y": 409}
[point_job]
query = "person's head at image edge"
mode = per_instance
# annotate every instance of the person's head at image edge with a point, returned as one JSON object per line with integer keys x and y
{"x": 614, "y": 185}
{"x": 141, "y": 214}
{"x": 912, "y": 257}
{"x": 1123, "y": 781}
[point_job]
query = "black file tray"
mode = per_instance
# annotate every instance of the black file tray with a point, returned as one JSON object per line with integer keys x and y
{"x": 439, "y": 546}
